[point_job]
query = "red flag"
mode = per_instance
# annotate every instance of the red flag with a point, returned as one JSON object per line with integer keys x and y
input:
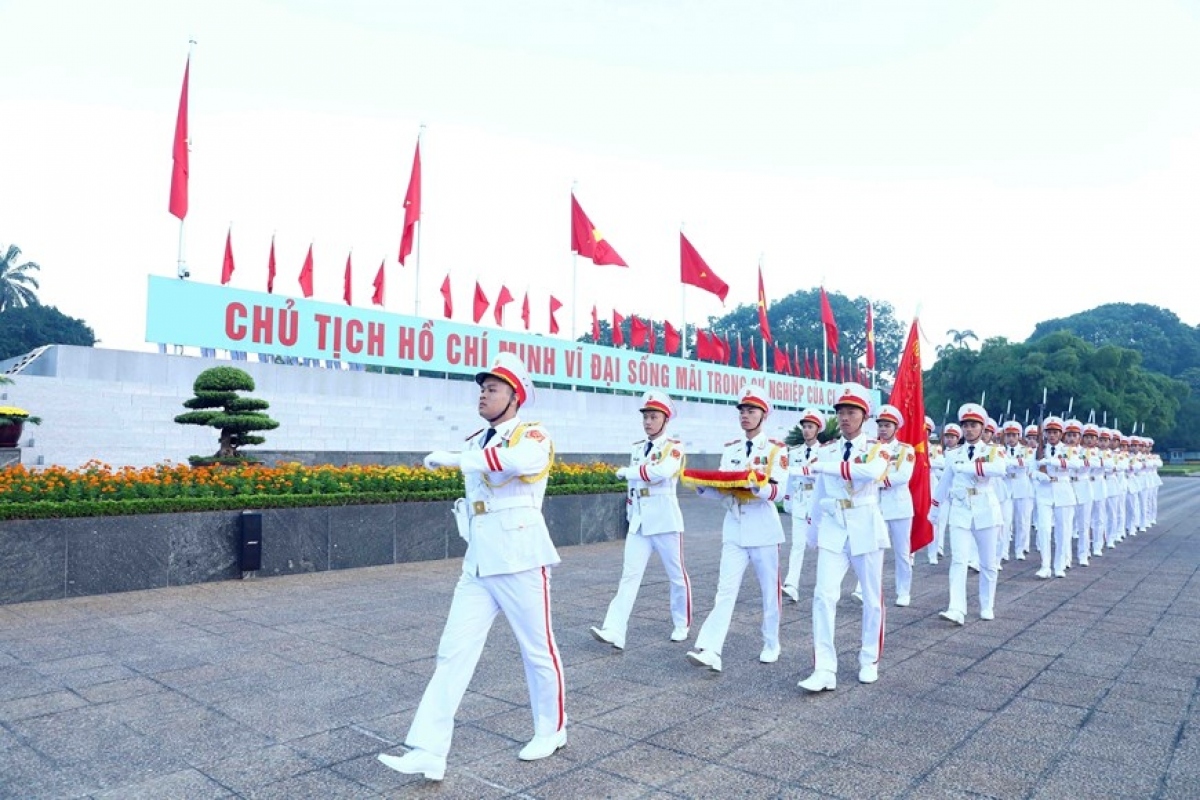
{"x": 227, "y": 265}
{"x": 703, "y": 347}
{"x": 178, "y": 204}
{"x": 653, "y": 343}
{"x": 753, "y": 356}
{"x": 618, "y": 338}
{"x": 306, "y": 274}
{"x": 555, "y": 305}
{"x": 588, "y": 242}
{"x": 447, "y": 304}
{"x": 870, "y": 339}
{"x": 762, "y": 308}
{"x": 726, "y": 350}
{"x": 637, "y": 332}
{"x": 816, "y": 368}
{"x": 694, "y": 272}
{"x": 781, "y": 365}
{"x": 525, "y": 312}
{"x": 481, "y": 303}
{"x": 412, "y": 206}
{"x": 908, "y": 395}
{"x": 377, "y": 297}
{"x": 741, "y": 353}
{"x": 671, "y": 339}
{"x": 271, "y": 267}
{"x": 346, "y": 282}
{"x": 504, "y": 298}
{"x": 831, "y": 329}
{"x": 595, "y": 325}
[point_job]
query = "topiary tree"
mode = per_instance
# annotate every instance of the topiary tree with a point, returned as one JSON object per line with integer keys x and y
{"x": 218, "y": 405}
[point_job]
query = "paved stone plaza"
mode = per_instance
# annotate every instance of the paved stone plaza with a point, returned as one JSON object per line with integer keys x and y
{"x": 1084, "y": 687}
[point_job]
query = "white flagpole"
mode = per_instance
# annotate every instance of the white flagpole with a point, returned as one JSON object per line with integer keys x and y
{"x": 181, "y": 261}
{"x": 574, "y": 271}
{"x": 420, "y": 223}
{"x": 683, "y": 306}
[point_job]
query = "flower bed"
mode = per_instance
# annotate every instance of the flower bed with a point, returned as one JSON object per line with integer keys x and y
{"x": 98, "y": 490}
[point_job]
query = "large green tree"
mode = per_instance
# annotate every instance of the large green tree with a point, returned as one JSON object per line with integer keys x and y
{"x": 1166, "y": 343}
{"x": 17, "y": 283}
{"x": 26, "y": 328}
{"x": 1108, "y": 380}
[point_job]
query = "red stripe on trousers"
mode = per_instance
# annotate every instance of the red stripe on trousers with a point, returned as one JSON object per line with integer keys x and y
{"x": 553, "y": 653}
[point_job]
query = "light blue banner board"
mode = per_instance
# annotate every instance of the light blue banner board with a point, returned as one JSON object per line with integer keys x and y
{"x": 184, "y": 312}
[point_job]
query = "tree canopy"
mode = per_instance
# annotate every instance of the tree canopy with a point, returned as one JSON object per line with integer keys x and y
{"x": 1166, "y": 343}
{"x": 17, "y": 283}
{"x": 26, "y": 328}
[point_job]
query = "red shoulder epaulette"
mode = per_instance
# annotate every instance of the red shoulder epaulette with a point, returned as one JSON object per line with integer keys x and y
{"x": 777, "y": 443}
{"x": 732, "y": 441}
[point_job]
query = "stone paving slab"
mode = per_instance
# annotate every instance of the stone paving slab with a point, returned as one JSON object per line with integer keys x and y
{"x": 289, "y": 687}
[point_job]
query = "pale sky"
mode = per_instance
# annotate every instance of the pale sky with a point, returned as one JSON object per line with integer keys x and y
{"x": 993, "y": 163}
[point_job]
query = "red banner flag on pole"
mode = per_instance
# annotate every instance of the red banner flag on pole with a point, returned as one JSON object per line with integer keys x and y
{"x": 306, "y": 274}
{"x": 447, "y": 303}
{"x": 412, "y": 206}
{"x": 763, "y": 324}
{"x": 271, "y": 267}
{"x": 588, "y": 242}
{"x": 831, "y": 328}
{"x": 816, "y": 367}
{"x": 481, "y": 303}
{"x": 908, "y": 395}
{"x": 753, "y": 356}
{"x": 671, "y": 339}
{"x": 227, "y": 264}
{"x": 637, "y": 332}
{"x": 525, "y": 310}
{"x": 694, "y": 272}
{"x": 618, "y": 337}
{"x": 504, "y": 298}
{"x": 703, "y": 346}
{"x": 555, "y": 305}
{"x": 653, "y": 335}
{"x": 346, "y": 282}
{"x": 178, "y": 204}
{"x": 595, "y": 325}
{"x": 377, "y": 296}
{"x": 741, "y": 352}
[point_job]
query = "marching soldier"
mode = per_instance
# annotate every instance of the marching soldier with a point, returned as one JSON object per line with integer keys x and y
{"x": 1153, "y": 464}
{"x": 847, "y": 528}
{"x": 1094, "y": 459}
{"x": 1020, "y": 491}
{"x": 1082, "y": 484}
{"x": 506, "y": 569}
{"x": 895, "y": 499}
{"x": 750, "y": 535}
{"x": 951, "y": 436}
{"x": 655, "y": 523}
{"x": 799, "y": 493}
{"x": 1055, "y": 500}
{"x": 965, "y": 495}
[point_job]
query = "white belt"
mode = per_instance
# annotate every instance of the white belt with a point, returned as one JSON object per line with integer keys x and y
{"x": 856, "y": 502}
{"x": 651, "y": 491}
{"x": 500, "y": 504}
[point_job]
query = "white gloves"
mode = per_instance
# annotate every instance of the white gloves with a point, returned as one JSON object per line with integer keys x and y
{"x": 442, "y": 458}
{"x": 623, "y": 473}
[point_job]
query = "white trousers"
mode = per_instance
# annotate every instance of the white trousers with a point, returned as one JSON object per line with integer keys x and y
{"x": 1099, "y": 524}
{"x": 524, "y": 597}
{"x": 1116, "y": 517}
{"x": 1083, "y": 521}
{"x": 796, "y": 555}
{"x": 1060, "y": 519}
{"x": 938, "y": 545}
{"x": 965, "y": 542}
{"x": 831, "y": 569}
{"x": 1133, "y": 512}
{"x": 1147, "y": 507}
{"x": 1022, "y": 522}
{"x": 638, "y": 548}
{"x": 734, "y": 560}
{"x": 1004, "y": 536}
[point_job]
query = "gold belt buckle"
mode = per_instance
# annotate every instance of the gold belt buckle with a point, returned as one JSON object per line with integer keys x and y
{"x": 479, "y": 506}
{"x": 643, "y": 492}
{"x": 844, "y": 504}
{"x": 972, "y": 492}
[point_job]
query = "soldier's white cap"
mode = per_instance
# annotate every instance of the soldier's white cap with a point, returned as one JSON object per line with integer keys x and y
{"x": 1106, "y": 433}
{"x": 1053, "y": 423}
{"x": 509, "y": 368}
{"x": 929, "y": 424}
{"x": 755, "y": 398}
{"x": 1012, "y": 426}
{"x": 854, "y": 395}
{"x": 1091, "y": 428}
{"x": 889, "y": 413}
{"x": 814, "y": 416}
{"x": 952, "y": 427}
{"x": 654, "y": 400}
{"x": 991, "y": 425}
{"x": 972, "y": 412}
{"x": 1031, "y": 430}
{"x": 1073, "y": 425}
{"x": 1149, "y": 441}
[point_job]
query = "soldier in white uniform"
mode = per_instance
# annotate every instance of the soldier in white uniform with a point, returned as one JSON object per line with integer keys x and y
{"x": 847, "y": 528}
{"x": 655, "y": 523}
{"x": 1055, "y": 499}
{"x": 1119, "y": 489}
{"x": 799, "y": 493}
{"x": 965, "y": 495}
{"x": 1082, "y": 484}
{"x": 951, "y": 436}
{"x": 1020, "y": 490}
{"x": 1134, "y": 523}
{"x": 895, "y": 499}
{"x": 506, "y": 569}
{"x": 1093, "y": 461}
{"x": 1153, "y": 463}
{"x": 750, "y": 535}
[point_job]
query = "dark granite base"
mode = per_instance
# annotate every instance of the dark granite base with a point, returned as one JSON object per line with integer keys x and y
{"x": 52, "y": 559}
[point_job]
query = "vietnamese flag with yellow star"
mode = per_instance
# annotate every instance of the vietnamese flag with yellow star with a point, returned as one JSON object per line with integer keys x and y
{"x": 908, "y": 396}
{"x": 588, "y": 242}
{"x": 762, "y": 308}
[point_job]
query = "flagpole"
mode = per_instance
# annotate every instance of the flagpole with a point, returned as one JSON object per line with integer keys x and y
{"x": 683, "y": 306}
{"x": 181, "y": 269}
{"x": 574, "y": 269}
{"x": 420, "y": 223}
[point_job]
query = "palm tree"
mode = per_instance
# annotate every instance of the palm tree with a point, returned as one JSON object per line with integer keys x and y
{"x": 15, "y": 281}
{"x": 959, "y": 338}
